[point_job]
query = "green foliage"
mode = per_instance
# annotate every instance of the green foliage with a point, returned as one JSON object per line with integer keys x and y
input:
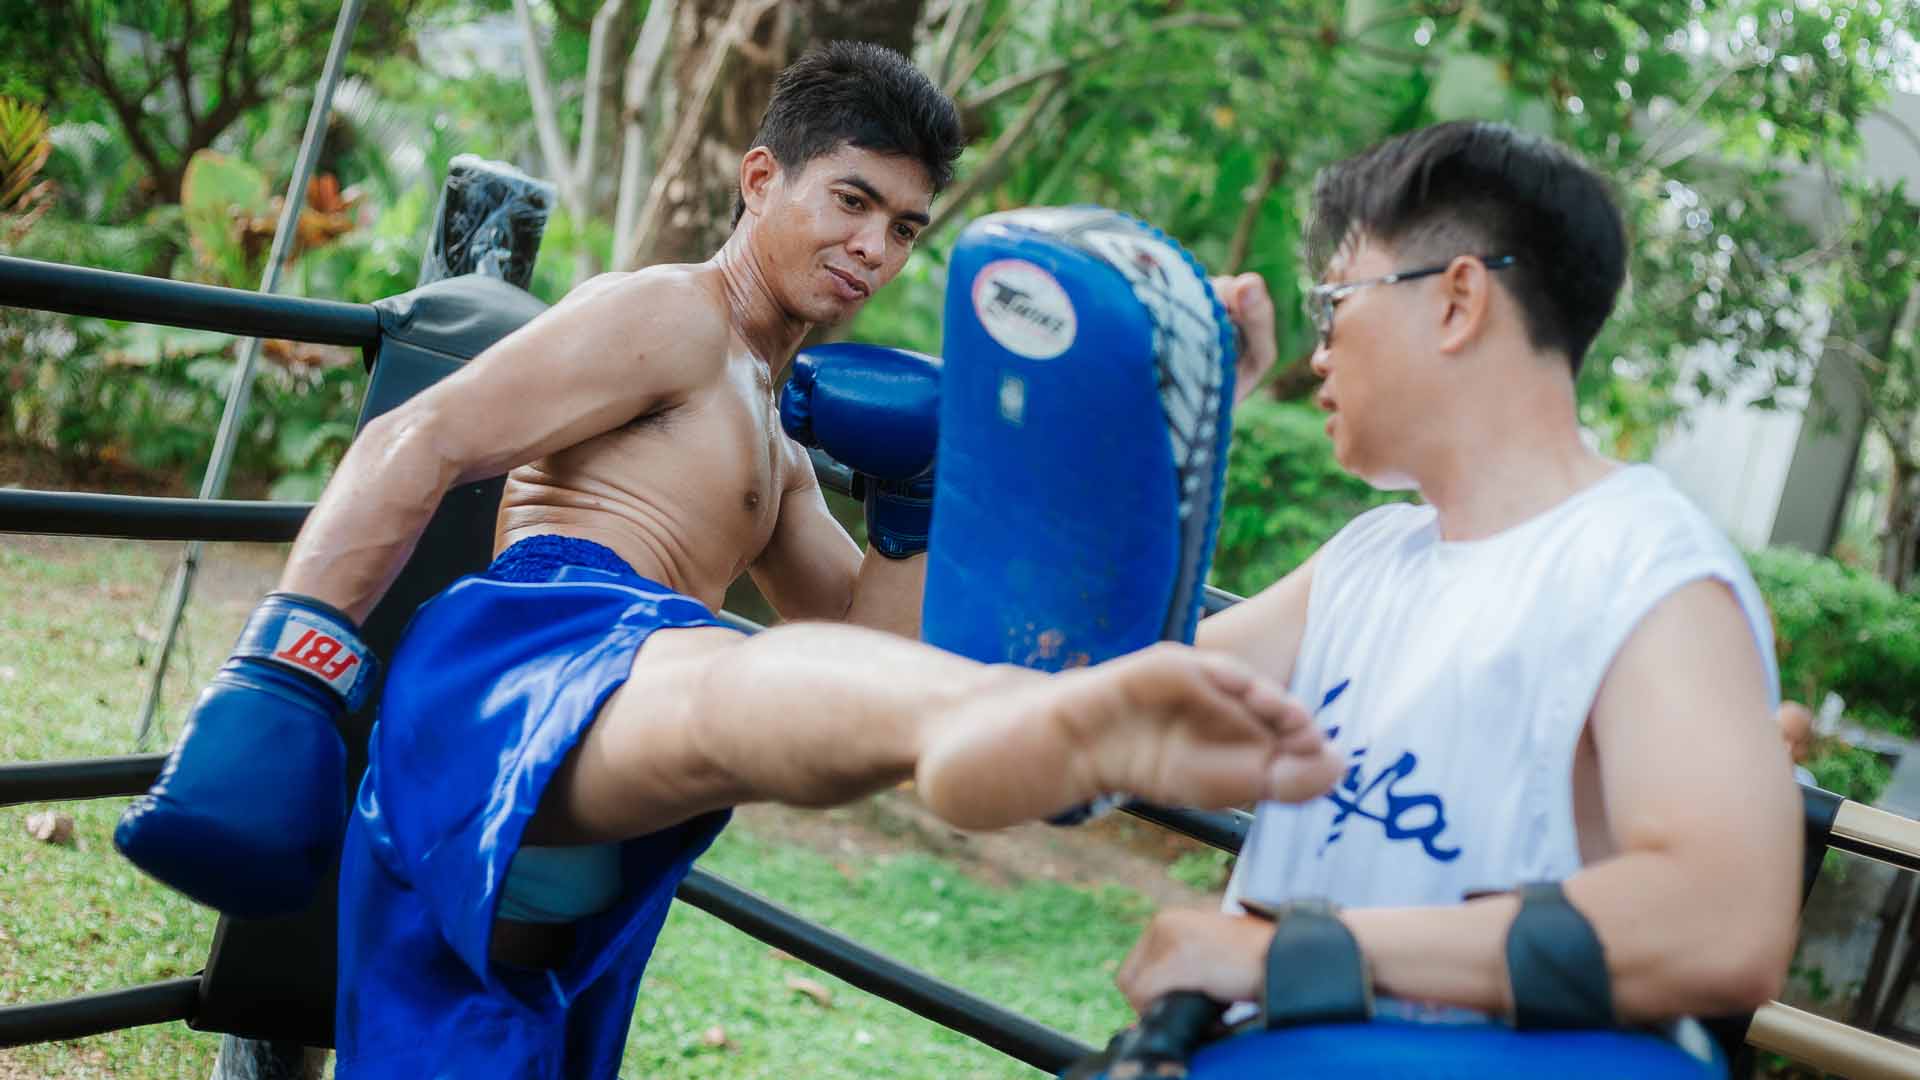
{"x": 1845, "y": 632}
{"x": 1286, "y": 495}
{"x": 217, "y": 195}
{"x": 152, "y": 396}
{"x": 1205, "y": 869}
{"x": 1852, "y": 771}
{"x": 174, "y": 77}
{"x": 377, "y": 260}
{"x": 24, "y": 148}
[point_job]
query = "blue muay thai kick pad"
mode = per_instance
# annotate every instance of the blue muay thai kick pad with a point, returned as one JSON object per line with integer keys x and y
{"x": 1084, "y": 418}
{"x": 1388, "y": 1050}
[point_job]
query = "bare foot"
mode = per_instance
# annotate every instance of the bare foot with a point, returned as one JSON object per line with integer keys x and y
{"x": 1169, "y": 724}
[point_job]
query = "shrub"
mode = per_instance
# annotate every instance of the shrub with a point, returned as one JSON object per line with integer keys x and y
{"x": 152, "y": 396}
{"x": 1852, "y": 771}
{"x": 1841, "y": 631}
{"x": 1286, "y": 495}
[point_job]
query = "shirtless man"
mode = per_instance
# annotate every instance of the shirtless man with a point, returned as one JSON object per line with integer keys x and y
{"x": 580, "y": 696}
{"x": 1556, "y": 670}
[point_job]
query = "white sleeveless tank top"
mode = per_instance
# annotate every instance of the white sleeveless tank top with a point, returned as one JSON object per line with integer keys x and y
{"x": 1456, "y": 679}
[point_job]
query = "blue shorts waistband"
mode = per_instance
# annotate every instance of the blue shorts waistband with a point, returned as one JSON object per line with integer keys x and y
{"x": 539, "y": 558}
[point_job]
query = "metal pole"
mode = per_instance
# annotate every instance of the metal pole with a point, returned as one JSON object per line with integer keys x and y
{"x": 241, "y": 388}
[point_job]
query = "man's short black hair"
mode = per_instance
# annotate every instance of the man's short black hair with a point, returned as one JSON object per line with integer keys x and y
{"x": 856, "y": 93}
{"x": 1475, "y": 188}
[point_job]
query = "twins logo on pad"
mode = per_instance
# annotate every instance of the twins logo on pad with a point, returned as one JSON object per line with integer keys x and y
{"x": 1024, "y": 309}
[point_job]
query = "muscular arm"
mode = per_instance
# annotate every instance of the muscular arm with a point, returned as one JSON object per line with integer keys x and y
{"x": 1265, "y": 630}
{"x": 1696, "y": 909}
{"x": 811, "y": 568}
{"x": 615, "y": 348}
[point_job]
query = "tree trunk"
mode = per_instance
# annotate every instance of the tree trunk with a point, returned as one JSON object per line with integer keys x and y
{"x": 698, "y": 212}
{"x": 1900, "y": 529}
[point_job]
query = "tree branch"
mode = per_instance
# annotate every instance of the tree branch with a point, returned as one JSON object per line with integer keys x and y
{"x": 546, "y": 121}
{"x": 182, "y": 71}
{"x": 246, "y": 81}
{"x": 1681, "y": 119}
{"x": 1018, "y": 81}
{"x": 979, "y": 53}
{"x": 1250, "y": 212}
{"x": 745, "y": 16}
{"x": 599, "y": 52}
{"x": 987, "y": 173}
{"x": 643, "y": 68}
{"x": 93, "y": 65}
{"x": 239, "y": 21}
{"x": 960, "y": 20}
{"x": 1151, "y": 32}
{"x": 1408, "y": 14}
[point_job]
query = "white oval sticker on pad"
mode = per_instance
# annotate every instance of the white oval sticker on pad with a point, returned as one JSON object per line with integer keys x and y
{"x": 1024, "y": 309}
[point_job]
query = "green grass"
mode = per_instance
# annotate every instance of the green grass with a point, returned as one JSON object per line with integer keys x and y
{"x": 79, "y": 919}
{"x": 1047, "y": 951}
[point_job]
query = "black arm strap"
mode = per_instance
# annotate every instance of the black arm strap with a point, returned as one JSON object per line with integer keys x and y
{"x": 1158, "y": 1047}
{"x": 1556, "y": 964}
{"x": 1316, "y": 973}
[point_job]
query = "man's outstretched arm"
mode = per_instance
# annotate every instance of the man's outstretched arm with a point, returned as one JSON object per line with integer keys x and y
{"x": 1695, "y": 909}
{"x": 616, "y": 348}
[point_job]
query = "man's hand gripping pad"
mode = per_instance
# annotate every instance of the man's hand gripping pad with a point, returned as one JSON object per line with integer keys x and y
{"x": 1084, "y": 419}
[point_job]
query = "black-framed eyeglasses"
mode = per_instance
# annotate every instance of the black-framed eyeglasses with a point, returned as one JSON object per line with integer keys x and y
{"x": 1322, "y": 298}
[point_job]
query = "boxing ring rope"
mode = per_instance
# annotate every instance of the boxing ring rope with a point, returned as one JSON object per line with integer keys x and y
{"x": 85, "y": 778}
{"x": 141, "y": 517}
{"x": 85, "y": 291}
{"x": 109, "y": 294}
{"x": 93, "y": 1014}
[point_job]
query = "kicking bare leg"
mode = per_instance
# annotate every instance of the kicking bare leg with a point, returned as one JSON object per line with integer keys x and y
{"x": 818, "y": 714}
{"x": 1169, "y": 724}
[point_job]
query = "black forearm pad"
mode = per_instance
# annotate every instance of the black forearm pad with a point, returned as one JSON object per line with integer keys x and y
{"x": 1556, "y": 964}
{"x": 1316, "y": 973}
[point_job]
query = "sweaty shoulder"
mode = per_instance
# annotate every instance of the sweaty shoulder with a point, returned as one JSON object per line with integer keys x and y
{"x": 673, "y": 311}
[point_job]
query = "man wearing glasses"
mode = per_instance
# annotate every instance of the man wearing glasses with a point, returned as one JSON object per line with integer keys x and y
{"x": 1566, "y": 804}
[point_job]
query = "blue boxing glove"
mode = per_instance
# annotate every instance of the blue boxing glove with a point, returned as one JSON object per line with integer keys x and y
{"x": 875, "y": 410}
{"x": 247, "y": 816}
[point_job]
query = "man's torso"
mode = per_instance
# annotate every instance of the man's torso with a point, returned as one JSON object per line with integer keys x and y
{"x": 689, "y": 493}
{"x": 1458, "y": 679}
